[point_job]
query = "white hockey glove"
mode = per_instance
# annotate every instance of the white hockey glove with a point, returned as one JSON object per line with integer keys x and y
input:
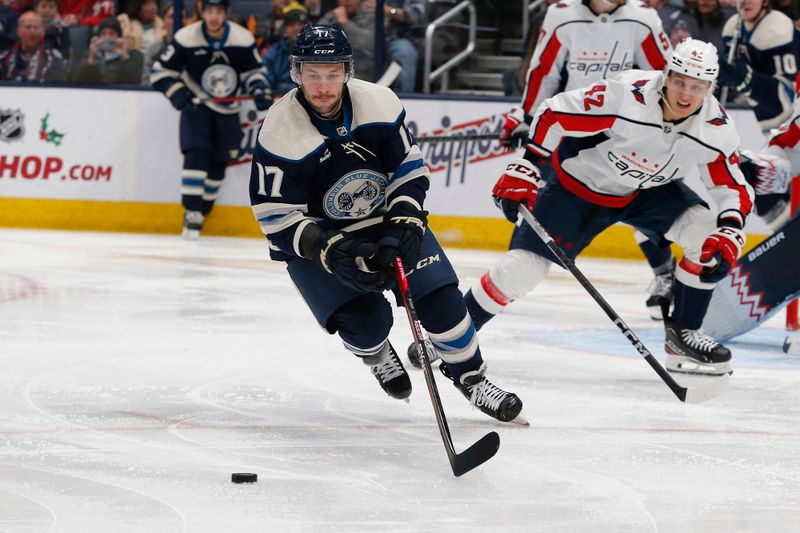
{"x": 768, "y": 174}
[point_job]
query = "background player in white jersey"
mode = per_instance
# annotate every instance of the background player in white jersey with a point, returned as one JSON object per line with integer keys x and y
{"x": 211, "y": 58}
{"x": 336, "y": 177}
{"x": 584, "y": 41}
{"x": 620, "y": 149}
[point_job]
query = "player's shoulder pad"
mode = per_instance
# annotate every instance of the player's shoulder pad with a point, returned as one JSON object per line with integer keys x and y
{"x": 714, "y": 127}
{"x": 239, "y": 36}
{"x": 191, "y": 36}
{"x": 729, "y": 28}
{"x": 287, "y": 132}
{"x": 637, "y": 87}
{"x": 563, "y": 11}
{"x": 643, "y": 13}
{"x": 774, "y": 30}
{"x": 373, "y": 104}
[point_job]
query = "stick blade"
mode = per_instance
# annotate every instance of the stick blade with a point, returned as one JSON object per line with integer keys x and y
{"x": 476, "y": 455}
{"x": 712, "y": 389}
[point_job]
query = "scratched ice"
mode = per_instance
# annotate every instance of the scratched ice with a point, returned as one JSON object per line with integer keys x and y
{"x": 138, "y": 372}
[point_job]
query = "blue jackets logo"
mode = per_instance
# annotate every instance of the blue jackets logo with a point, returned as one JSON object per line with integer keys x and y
{"x": 220, "y": 81}
{"x": 356, "y": 195}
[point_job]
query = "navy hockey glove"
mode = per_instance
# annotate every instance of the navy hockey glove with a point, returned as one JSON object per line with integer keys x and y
{"x": 515, "y": 129}
{"x": 181, "y": 99}
{"x": 344, "y": 256}
{"x": 403, "y": 228}
{"x": 519, "y": 184}
{"x": 738, "y": 75}
{"x": 262, "y": 98}
{"x": 719, "y": 253}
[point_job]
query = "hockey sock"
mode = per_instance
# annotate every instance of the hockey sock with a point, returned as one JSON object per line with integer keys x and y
{"x": 195, "y": 172}
{"x": 691, "y": 305}
{"x": 660, "y": 259}
{"x": 479, "y": 315}
{"x": 211, "y": 185}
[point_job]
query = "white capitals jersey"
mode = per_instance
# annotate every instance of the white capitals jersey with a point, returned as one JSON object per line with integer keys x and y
{"x": 784, "y": 142}
{"x": 578, "y": 47}
{"x": 610, "y": 140}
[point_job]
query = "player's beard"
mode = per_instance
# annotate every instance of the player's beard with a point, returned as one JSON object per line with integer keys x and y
{"x": 328, "y": 111}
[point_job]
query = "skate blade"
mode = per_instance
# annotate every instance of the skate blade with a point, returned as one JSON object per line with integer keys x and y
{"x": 792, "y": 345}
{"x": 686, "y": 365}
{"x": 520, "y": 421}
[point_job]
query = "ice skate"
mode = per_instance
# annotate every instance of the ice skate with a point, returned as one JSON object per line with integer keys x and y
{"x": 488, "y": 397}
{"x": 661, "y": 295}
{"x": 691, "y": 352}
{"x": 413, "y": 358}
{"x": 192, "y": 224}
{"x": 389, "y": 371}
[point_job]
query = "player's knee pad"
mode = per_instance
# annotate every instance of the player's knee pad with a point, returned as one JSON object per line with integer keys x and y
{"x": 363, "y": 323}
{"x": 690, "y": 231}
{"x": 513, "y": 276}
{"x": 449, "y": 326}
{"x": 197, "y": 160}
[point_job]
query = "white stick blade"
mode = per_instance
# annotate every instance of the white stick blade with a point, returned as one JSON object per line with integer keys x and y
{"x": 714, "y": 388}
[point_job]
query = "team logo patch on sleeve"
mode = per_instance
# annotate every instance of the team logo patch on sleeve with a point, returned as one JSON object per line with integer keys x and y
{"x": 356, "y": 195}
{"x": 220, "y": 81}
{"x": 637, "y": 90}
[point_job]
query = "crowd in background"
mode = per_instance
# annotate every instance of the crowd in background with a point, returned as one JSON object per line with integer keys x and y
{"x": 103, "y": 41}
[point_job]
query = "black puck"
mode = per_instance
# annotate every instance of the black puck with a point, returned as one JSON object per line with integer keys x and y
{"x": 244, "y": 477}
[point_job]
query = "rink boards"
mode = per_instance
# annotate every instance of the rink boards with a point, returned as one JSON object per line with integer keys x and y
{"x": 109, "y": 160}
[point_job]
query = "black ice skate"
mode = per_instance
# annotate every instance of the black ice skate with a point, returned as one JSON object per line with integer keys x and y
{"x": 691, "y": 352}
{"x": 661, "y": 295}
{"x": 486, "y": 396}
{"x": 413, "y": 358}
{"x": 192, "y": 224}
{"x": 389, "y": 371}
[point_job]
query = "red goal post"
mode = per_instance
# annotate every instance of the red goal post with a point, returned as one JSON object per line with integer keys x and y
{"x": 792, "y": 322}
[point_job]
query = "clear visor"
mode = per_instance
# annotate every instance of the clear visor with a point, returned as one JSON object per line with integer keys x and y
{"x": 687, "y": 85}
{"x": 304, "y": 73}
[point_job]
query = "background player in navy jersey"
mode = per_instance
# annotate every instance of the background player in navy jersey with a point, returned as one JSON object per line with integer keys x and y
{"x": 213, "y": 58}
{"x": 336, "y": 177}
{"x": 620, "y": 149}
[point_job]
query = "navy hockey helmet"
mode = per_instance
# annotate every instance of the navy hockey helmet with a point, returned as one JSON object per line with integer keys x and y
{"x": 225, "y": 4}
{"x": 321, "y": 43}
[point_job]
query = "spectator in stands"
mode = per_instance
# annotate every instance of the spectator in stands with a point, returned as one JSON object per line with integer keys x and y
{"x": 159, "y": 46}
{"x": 267, "y": 28}
{"x": 30, "y": 58}
{"x": 405, "y": 22}
{"x": 703, "y": 20}
{"x": 85, "y": 12}
{"x": 141, "y": 25}
{"x": 109, "y": 60}
{"x": 54, "y": 33}
{"x": 357, "y": 19}
{"x": 514, "y": 79}
{"x": 277, "y": 58}
{"x": 8, "y": 26}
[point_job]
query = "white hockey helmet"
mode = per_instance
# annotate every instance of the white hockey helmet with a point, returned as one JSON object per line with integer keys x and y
{"x": 695, "y": 58}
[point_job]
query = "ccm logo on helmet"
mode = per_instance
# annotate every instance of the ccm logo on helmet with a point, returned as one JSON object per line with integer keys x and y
{"x": 323, "y": 51}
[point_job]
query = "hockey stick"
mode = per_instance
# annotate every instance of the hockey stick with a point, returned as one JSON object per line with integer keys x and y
{"x": 696, "y": 394}
{"x": 458, "y": 138}
{"x": 723, "y": 95}
{"x": 487, "y": 446}
{"x": 221, "y": 100}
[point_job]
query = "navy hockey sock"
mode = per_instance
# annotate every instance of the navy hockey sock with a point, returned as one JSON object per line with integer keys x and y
{"x": 363, "y": 323}
{"x": 480, "y": 316}
{"x": 690, "y": 305}
{"x": 196, "y": 164}
{"x": 216, "y": 173}
{"x": 660, "y": 259}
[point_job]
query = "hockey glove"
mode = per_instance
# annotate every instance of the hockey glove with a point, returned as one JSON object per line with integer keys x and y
{"x": 768, "y": 174}
{"x": 403, "y": 228}
{"x": 344, "y": 256}
{"x": 519, "y": 184}
{"x": 181, "y": 99}
{"x": 738, "y": 75}
{"x": 515, "y": 129}
{"x": 262, "y": 98}
{"x": 719, "y": 253}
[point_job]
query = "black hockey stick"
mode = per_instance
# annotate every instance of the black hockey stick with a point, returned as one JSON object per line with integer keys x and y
{"x": 487, "y": 446}
{"x": 458, "y": 138}
{"x": 697, "y": 394}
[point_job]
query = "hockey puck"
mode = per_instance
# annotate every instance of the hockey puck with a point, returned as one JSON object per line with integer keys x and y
{"x": 244, "y": 477}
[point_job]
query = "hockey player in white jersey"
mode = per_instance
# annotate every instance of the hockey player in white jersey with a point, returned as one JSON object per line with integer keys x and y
{"x": 620, "y": 149}
{"x": 584, "y": 41}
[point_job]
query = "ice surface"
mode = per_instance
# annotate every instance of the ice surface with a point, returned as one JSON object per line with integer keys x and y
{"x": 138, "y": 372}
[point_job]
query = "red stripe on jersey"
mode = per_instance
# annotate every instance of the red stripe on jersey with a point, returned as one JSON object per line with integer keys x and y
{"x": 494, "y": 293}
{"x": 585, "y": 193}
{"x": 570, "y": 122}
{"x": 720, "y": 175}
{"x": 546, "y": 61}
{"x": 690, "y": 267}
{"x": 652, "y": 53}
{"x": 787, "y": 138}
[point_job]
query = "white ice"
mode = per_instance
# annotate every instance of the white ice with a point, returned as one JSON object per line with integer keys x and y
{"x": 138, "y": 372}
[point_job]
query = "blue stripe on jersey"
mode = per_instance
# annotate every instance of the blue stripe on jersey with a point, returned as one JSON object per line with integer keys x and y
{"x": 196, "y": 182}
{"x": 406, "y": 168}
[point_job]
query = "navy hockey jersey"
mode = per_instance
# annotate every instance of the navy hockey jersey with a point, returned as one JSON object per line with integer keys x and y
{"x": 343, "y": 175}
{"x": 772, "y": 48}
{"x": 210, "y": 68}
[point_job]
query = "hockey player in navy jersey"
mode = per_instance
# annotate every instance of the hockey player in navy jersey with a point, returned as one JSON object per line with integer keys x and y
{"x": 620, "y": 149}
{"x": 213, "y": 58}
{"x": 336, "y": 177}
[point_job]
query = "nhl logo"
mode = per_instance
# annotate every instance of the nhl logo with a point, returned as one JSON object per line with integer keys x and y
{"x": 12, "y": 125}
{"x": 341, "y": 131}
{"x": 667, "y": 128}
